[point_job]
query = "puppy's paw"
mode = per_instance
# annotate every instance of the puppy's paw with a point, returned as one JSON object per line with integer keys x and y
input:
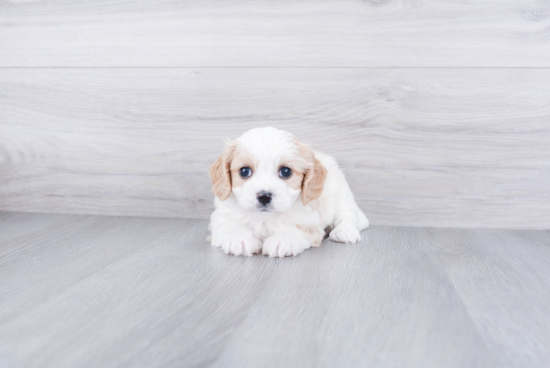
{"x": 239, "y": 245}
{"x": 363, "y": 222}
{"x": 345, "y": 233}
{"x": 276, "y": 246}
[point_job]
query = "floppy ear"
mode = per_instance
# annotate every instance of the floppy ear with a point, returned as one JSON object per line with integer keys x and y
{"x": 220, "y": 173}
{"x": 315, "y": 175}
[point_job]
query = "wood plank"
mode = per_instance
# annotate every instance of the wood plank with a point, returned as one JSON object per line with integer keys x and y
{"x": 501, "y": 277}
{"x": 54, "y": 249}
{"x": 13, "y": 225}
{"x": 450, "y": 33}
{"x": 115, "y": 286}
{"x": 437, "y": 147}
{"x": 383, "y": 305}
{"x": 115, "y": 291}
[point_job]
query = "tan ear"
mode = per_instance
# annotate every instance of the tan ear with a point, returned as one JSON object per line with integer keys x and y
{"x": 220, "y": 173}
{"x": 315, "y": 175}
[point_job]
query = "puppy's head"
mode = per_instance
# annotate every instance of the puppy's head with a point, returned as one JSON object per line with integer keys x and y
{"x": 267, "y": 170}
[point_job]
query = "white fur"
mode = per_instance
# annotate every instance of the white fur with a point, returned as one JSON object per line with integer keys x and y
{"x": 239, "y": 228}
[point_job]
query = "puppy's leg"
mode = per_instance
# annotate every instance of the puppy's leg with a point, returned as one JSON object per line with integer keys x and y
{"x": 293, "y": 240}
{"x": 233, "y": 237}
{"x": 349, "y": 219}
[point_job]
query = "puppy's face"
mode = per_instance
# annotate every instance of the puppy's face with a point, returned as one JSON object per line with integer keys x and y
{"x": 267, "y": 170}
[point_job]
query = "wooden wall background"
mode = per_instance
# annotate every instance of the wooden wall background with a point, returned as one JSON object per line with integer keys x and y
{"x": 439, "y": 111}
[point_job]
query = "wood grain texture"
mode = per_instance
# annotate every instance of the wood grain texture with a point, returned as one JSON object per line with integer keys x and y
{"x": 144, "y": 292}
{"x": 420, "y": 147}
{"x": 371, "y": 33}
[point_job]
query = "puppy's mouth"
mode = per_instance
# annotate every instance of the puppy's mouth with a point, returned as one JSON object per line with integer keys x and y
{"x": 264, "y": 208}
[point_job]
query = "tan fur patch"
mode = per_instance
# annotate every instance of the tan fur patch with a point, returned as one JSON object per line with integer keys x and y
{"x": 220, "y": 172}
{"x": 240, "y": 159}
{"x": 314, "y": 234}
{"x": 315, "y": 174}
{"x": 297, "y": 177}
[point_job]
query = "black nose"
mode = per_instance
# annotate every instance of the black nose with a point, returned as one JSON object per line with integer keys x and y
{"x": 264, "y": 197}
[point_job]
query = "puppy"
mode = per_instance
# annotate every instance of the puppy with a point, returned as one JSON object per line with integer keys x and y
{"x": 276, "y": 196}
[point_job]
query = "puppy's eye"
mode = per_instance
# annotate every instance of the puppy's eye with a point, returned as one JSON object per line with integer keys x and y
{"x": 245, "y": 172}
{"x": 285, "y": 172}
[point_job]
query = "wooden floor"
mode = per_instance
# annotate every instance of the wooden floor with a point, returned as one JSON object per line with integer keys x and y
{"x": 120, "y": 291}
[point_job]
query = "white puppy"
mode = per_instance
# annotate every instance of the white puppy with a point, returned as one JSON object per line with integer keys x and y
{"x": 276, "y": 196}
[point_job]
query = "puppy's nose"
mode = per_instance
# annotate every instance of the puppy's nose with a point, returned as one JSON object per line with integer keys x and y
{"x": 264, "y": 197}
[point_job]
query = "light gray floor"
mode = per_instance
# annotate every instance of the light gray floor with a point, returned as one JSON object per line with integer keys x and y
{"x": 120, "y": 291}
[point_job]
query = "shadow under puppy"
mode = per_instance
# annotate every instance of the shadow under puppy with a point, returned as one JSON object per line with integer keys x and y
{"x": 276, "y": 196}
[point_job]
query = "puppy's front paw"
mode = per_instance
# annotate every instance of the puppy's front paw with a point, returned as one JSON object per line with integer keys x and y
{"x": 345, "y": 233}
{"x": 239, "y": 245}
{"x": 276, "y": 246}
